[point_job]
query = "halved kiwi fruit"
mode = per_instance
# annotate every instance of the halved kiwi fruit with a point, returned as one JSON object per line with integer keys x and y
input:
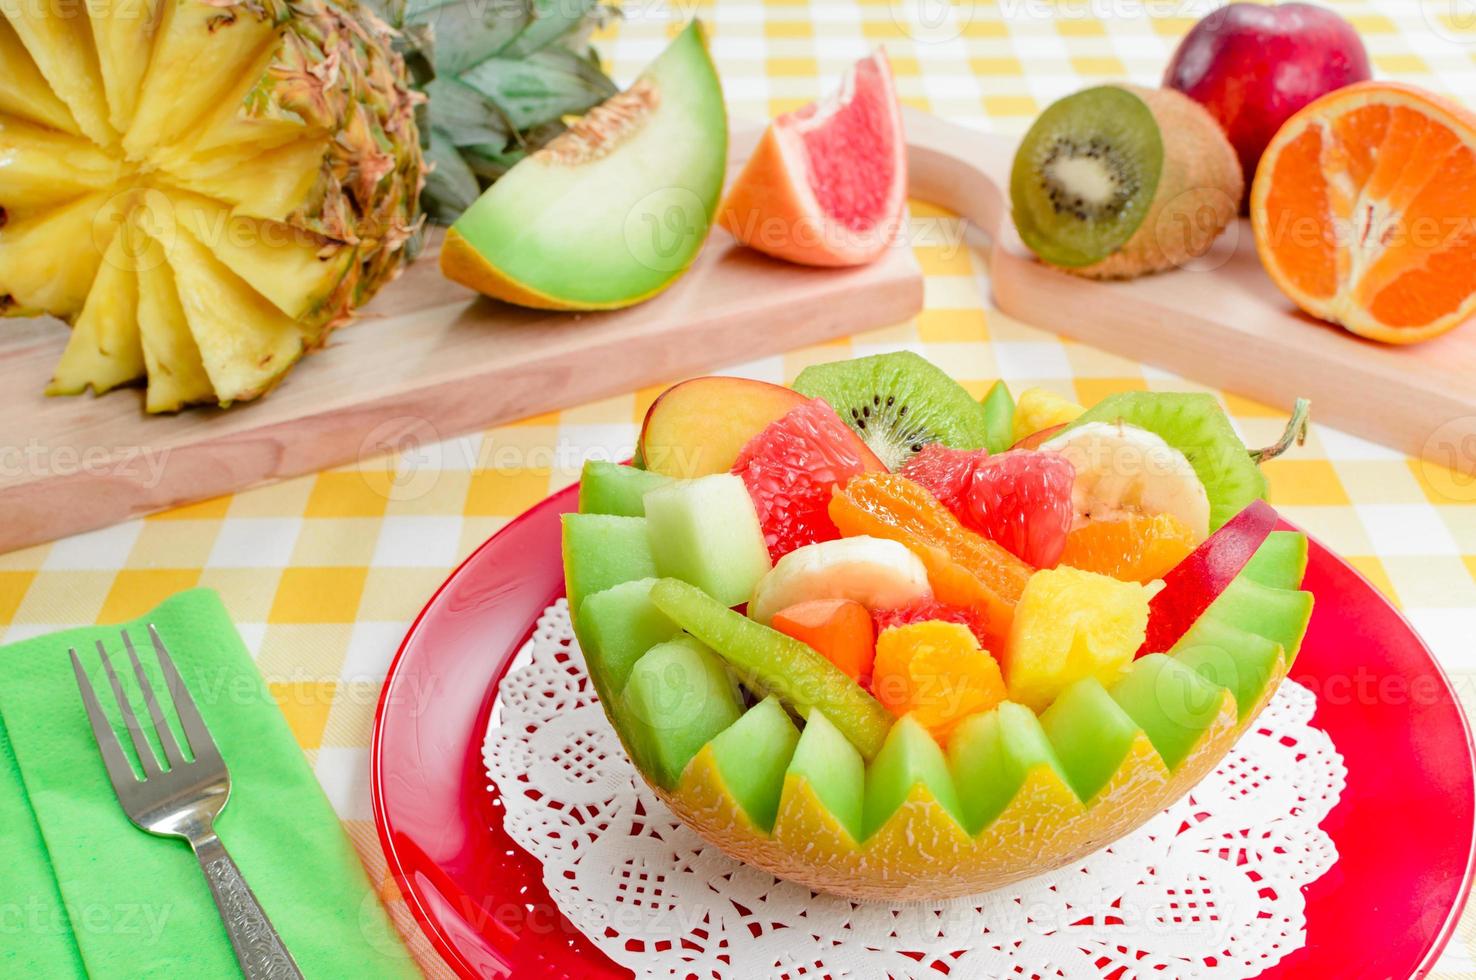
{"x": 1118, "y": 181}
{"x": 898, "y": 403}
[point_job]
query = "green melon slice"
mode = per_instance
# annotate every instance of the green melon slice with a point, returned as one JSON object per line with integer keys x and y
{"x": 1171, "y": 702}
{"x": 706, "y": 532}
{"x": 679, "y": 696}
{"x": 609, "y": 488}
{"x": 614, "y": 210}
{"x": 1230, "y": 657}
{"x": 616, "y": 628}
{"x": 601, "y": 551}
{"x": 1280, "y": 561}
{"x": 827, "y": 761}
{"x": 1091, "y": 735}
{"x": 767, "y": 660}
{"x": 752, "y": 755}
{"x": 991, "y": 755}
{"x": 1280, "y": 615}
{"x": 909, "y": 758}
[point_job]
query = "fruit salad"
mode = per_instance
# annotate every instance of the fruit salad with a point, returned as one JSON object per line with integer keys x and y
{"x": 889, "y": 641}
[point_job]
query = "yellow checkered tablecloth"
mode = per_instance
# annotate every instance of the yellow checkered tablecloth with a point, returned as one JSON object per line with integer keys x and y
{"x": 323, "y": 574}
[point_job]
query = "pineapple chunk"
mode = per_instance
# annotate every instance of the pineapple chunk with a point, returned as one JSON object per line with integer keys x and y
{"x": 23, "y": 90}
{"x": 123, "y": 31}
{"x": 176, "y": 375}
{"x": 245, "y": 343}
{"x": 105, "y": 350}
{"x": 201, "y": 51}
{"x": 295, "y": 269}
{"x": 60, "y": 46}
{"x": 49, "y": 259}
{"x": 41, "y": 167}
{"x": 269, "y": 185}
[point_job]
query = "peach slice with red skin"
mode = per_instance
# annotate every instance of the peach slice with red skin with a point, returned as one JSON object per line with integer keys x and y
{"x": 699, "y": 427}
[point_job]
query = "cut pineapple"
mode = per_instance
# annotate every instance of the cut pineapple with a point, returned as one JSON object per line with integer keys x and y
{"x": 40, "y": 167}
{"x": 262, "y": 157}
{"x": 245, "y": 342}
{"x": 61, "y": 46}
{"x": 105, "y": 350}
{"x": 23, "y": 90}
{"x": 176, "y": 374}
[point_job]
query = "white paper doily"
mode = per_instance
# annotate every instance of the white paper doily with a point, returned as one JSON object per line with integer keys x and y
{"x": 1210, "y": 888}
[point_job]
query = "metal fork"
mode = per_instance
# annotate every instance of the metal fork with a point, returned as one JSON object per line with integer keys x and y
{"x": 183, "y": 801}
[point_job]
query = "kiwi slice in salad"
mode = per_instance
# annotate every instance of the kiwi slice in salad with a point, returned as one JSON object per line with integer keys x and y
{"x": 898, "y": 403}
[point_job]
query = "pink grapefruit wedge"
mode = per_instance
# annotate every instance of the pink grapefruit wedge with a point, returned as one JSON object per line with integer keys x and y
{"x": 828, "y": 181}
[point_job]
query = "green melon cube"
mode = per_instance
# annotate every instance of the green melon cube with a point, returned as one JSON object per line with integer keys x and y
{"x": 1091, "y": 735}
{"x": 616, "y": 627}
{"x": 706, "y": 532}
{"x": 909, "y": 757}
{"x": 1280, "y": 615}
{"x": 1169, "y": 701}
{"x": 1280, "y": 561}
{"x": 609, "y": 488}
{"x": 769, "y": 661}
{"x": 828, "y": 761}
{"x": 753, "y": 754}
{"x": 990, "y": 754}
{"x": 601, "y": 551}
{"x": 1230, "y": 657}
{"x": 679, "y": 696}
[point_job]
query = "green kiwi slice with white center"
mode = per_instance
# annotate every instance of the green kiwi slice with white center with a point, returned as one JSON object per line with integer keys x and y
{"x": 1085, "y": 176}
{"x": 898, "y": 403}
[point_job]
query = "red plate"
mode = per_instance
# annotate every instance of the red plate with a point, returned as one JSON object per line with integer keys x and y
{"x": 1403, "y": 828}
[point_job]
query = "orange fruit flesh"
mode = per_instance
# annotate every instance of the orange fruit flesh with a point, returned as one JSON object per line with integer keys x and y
{"x": 840, "y": 629}
{"x": 1138, "y": 548}
{"x": 1362, "y": 210}
{"x": 964, "y": 568}
{"x": 936, "y": 672}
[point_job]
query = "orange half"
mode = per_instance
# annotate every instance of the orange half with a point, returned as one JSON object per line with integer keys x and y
{"x": 1364, "y": 209}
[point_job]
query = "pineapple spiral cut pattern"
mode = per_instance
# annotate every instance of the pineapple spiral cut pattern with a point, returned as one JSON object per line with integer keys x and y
{"x": 202, "y": 188}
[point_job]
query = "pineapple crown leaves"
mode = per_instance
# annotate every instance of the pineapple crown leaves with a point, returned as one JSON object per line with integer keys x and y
{"x": 501, "y": 76}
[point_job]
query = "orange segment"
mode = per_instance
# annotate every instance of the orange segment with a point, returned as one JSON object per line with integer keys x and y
{"x": 964, "y": 568}
{"x": 936, "y": 672}
{"x": 1138, "y": 548}
{"x": 1362, "y": 209}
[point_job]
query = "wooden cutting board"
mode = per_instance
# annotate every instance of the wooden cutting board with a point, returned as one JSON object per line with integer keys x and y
{"x": 1220, "y": 321}
{"x": 428, "y": 360}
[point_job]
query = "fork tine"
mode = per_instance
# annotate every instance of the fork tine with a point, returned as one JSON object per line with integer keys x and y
{"x": 130, "y": 720}
{"x": 202, "y": 746}
{"x": 119, "y": 771}
{"x": 161, "y": 727}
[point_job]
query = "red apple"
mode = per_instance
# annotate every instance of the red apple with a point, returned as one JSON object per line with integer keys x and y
{"x": 1253, "y": 66}
{"x": 1194, "y": 583}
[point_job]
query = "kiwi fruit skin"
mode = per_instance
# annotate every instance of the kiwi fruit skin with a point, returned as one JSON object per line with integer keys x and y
{"x": 897, "y": 403}
{"x": 1198, "y": 194}
{"x": 1194, "y": 424}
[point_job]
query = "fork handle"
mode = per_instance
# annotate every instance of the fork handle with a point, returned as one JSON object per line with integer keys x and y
{"x": 258, "y": 948}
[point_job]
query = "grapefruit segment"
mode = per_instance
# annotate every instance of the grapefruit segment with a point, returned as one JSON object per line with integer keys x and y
{"x": 1359, "y": 211}
{"x": 827, "y": 183}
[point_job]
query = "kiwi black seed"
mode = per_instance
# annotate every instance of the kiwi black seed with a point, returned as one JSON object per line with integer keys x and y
{"x": 897, "y": 403}
{"x": 1117, "y": 181}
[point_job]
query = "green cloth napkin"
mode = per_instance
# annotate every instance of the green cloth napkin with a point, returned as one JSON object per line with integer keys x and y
{"x": 82, "y": 885}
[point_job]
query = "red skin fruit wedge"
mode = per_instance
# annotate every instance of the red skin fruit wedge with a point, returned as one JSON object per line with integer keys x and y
{"x": 945, "y": 473}
{"x": 929, "y": 610}
{"x": 791, "y": 469}
{"x": 1194, "y": 583}
{"x": 840, "y": 629}
{"x": 1021, "y": 499}
{"x": 1036, "y": 438}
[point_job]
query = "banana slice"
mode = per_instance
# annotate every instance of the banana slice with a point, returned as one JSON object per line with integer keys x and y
{"x": 1122, "y": 469}
{"x": 875, "y": 572}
